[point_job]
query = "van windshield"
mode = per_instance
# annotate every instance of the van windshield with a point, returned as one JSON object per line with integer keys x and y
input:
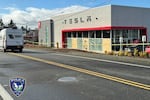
{"x": 11, "y": 36}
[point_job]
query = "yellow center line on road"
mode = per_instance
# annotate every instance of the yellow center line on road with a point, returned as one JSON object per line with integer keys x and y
{"x": 89, "y": 72}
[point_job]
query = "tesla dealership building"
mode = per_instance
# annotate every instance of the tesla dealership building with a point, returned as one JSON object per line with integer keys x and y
{"x": 97, "y": 29}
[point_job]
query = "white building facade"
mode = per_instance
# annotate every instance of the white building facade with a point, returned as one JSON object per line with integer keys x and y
{"x": 100, "y": 29}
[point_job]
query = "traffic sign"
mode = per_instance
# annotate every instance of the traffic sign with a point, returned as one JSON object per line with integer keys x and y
{"x": 143, "y": 38}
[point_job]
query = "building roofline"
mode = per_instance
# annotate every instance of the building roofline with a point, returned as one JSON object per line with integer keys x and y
{"x": 129, "y": 6}
{"x": 98, "y": 7}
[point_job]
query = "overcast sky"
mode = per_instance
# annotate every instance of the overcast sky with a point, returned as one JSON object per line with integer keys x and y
{"x": 29, "y": 12}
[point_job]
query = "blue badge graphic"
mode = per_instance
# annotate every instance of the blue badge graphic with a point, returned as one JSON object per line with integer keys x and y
{"x": 17, "y": 86}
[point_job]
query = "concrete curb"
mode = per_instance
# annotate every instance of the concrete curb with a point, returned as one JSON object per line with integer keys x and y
{"x": 126, "y": 59}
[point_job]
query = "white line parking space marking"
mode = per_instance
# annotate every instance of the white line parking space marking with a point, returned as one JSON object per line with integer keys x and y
{"x": 4, "y": 94}
{"x": 116, "y": 62}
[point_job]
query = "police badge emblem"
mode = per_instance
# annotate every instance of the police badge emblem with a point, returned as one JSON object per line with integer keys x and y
{"x": 17, "y": 86}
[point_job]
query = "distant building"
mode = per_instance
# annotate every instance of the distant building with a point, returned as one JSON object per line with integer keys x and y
{"x": 31, "y": 35}
{"x": 46, "y": 33}
{"x": 97, "y": 29}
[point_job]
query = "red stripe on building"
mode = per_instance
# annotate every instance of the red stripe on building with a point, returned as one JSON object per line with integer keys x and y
{"x": 144, "y": 30}
{"x": 103, "y": 28}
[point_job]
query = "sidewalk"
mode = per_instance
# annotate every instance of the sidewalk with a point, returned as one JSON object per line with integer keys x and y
{"x": 126, "y": 59}
{"x": 136, "y": 60}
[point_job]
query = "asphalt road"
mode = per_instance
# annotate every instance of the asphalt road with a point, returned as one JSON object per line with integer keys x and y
{"x": 64, "y": 76}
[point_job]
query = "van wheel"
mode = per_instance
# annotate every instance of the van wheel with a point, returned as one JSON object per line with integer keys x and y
{"x": 12, "y": 50}
{"x": 20, "y": 50}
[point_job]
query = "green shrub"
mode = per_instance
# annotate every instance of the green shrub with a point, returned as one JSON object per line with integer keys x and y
{"x": 129, "y": 54}
{"x": 111, "y": 53}
{"x": 143, "y": 54}
{"x": 105, "y": 52}
{"x": 126, "y": 53}
{"x": 136, "y": 53}
{"x": 115, "y": 53}
{"x": 121, "y": 53}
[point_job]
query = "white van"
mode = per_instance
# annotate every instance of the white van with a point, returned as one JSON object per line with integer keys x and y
{"x": 11, "y": 39}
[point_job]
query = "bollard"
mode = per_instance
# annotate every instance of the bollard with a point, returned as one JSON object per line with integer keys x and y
{"x": 57, "y": 45}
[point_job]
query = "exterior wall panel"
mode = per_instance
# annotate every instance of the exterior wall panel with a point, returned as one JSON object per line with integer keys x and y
{"x": 79, "y": 43}
{"x": 44, "y": 33}
{"x": 85, "y": 44}
{"x": 106, "y": 44}
{"x": 95, "y": 44}
{"x": 69, "y": 43}
{"x": 99, "y": 17}
{"x": 74, "y": 43}
{"x": 131, "y": 16}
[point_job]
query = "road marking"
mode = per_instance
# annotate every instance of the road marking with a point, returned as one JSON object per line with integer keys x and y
{"x": 89, "y": 72}
{"x": 4, "y": 94}
{"x": 116, "y": 62}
